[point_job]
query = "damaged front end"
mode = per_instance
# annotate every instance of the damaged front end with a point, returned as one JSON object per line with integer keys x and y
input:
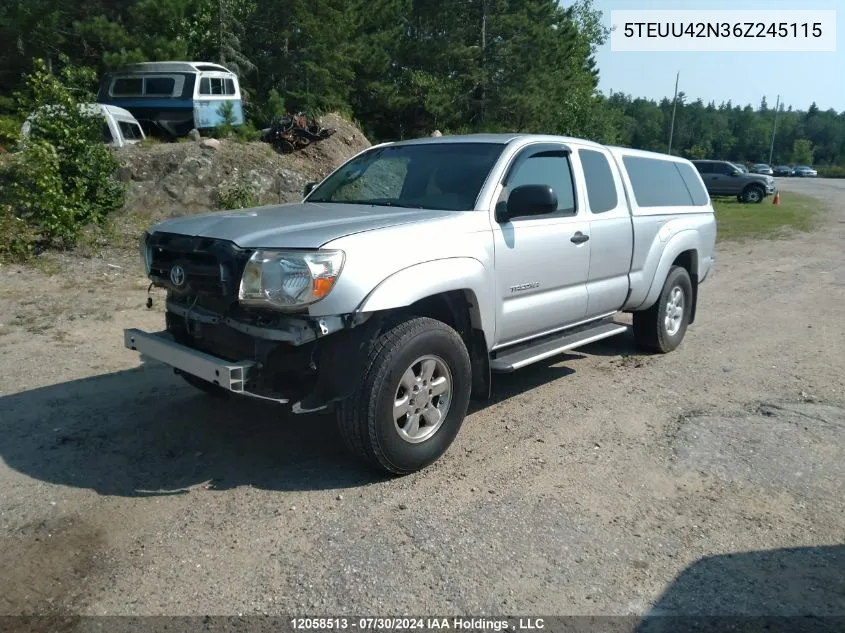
{"x": 218, "y": 330}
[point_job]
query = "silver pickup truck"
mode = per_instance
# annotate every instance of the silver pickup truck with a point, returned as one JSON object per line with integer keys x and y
{"x": 418, "y": 268}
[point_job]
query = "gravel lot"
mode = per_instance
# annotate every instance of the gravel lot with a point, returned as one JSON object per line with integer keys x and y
{"x": 710, "y": 480}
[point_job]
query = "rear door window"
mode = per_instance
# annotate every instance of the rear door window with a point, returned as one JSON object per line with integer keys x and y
{"x": 601, "y": 189}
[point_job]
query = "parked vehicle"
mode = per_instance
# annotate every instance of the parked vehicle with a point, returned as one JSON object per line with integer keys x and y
{"x": 172, "y": 98}
{"x": 119, "y": 127}
{"x": 723, "y": 179}
{"x": 783, "y": 170}
{"x": 762, "y": 168}
{"x": 418, "y": 268}
{"x": 741, "y": 167}
{"x": 804, "y": 171}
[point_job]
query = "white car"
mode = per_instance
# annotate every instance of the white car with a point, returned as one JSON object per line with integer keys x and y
{"x": 120, "y": 127}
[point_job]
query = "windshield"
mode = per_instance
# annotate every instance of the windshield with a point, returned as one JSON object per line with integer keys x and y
{"x": 443, "y": 176}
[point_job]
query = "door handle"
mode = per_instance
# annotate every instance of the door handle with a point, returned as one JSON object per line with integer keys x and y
{"x": 579, "y": 238}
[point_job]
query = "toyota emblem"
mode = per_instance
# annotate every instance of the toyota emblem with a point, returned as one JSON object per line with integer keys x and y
{"x": 177, "y": 275}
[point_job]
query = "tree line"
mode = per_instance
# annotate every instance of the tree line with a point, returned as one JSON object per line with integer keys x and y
{"x": 402, "y": 68}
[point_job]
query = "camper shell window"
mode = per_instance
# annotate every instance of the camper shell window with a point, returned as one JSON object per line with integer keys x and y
{"x": 664, "y": 183}
{"x": 217, "y": 86}
{"x": 127, "y": 86}
{"x": 157, "y": 86}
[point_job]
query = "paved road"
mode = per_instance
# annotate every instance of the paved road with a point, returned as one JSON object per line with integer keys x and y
{"x": 602, "y": 482}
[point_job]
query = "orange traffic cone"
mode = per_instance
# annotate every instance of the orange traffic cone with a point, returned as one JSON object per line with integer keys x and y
{"x": 776, "y": 199}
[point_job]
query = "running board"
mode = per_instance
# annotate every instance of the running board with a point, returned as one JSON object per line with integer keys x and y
{"x": 527, "y": 353}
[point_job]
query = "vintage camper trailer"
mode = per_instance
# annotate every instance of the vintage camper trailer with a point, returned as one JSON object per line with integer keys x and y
{"x": 172, "y": 98}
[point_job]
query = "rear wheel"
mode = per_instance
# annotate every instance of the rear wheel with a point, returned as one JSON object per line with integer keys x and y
{"x": 661, "y": 328}
{"x": 753, "y": 194}
{"x": 412, "y": 398}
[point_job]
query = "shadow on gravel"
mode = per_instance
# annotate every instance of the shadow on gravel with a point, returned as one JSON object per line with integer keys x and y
{"x": 796, "y": 590}
{"x": 144, "y": 432}
{"x": 506, "y": 386}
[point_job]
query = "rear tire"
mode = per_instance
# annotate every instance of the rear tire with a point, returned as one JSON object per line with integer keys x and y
{"x": 412, "y": 398}
{"x": 661, "y": 328}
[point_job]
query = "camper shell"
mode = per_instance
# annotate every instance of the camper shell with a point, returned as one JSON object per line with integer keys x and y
{"x": 172, "y": 98}
{"x": 119, "y": 127}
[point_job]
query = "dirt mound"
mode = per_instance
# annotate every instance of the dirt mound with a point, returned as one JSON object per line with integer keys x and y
{"x": 180, "y": 178}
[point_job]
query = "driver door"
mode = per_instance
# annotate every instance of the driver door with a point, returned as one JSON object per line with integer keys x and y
{"x": 542, "y": 262}
{"x": 724, "y": 181}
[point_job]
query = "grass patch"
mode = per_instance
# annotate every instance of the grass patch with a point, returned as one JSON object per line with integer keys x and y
{"x": 738, "y": 221}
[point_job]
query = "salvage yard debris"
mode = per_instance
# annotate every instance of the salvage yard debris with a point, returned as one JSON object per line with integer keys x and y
{"x": 293, "y": 132}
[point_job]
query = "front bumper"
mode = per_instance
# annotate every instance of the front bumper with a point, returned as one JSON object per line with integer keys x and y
{"x": 229, "y": 375}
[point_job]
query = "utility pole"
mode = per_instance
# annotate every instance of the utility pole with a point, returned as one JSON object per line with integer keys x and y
{"x": 220, "y": 32}
{"x": 485, "y": 10}
{"x": 674, "y": 107}
{"x": 774, "y": 129}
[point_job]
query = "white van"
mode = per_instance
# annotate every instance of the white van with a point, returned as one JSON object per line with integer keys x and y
{"x": 120, "y": 127}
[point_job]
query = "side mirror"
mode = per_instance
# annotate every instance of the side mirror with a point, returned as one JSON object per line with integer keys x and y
{"x": 529, "y": 200}
{"x": 735, "y": 172}
{"x": 309, "y": 187}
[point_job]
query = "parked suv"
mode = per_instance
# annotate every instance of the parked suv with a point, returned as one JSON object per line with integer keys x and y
{"x": 418, "y": 268}
{"x": 723, "y": 179}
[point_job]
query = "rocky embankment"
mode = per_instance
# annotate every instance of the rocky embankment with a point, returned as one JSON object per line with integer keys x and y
{"x": 170, "y": 179}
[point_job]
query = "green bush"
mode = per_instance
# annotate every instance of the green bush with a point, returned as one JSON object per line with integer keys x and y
{"x": 237, "y": 194}
{"x": 832, "y": 171}
{"x": 63, "y": 177}
{"x": 10, "y": 128}
{"x": 247, "y": 133}
{"x": 19, "y": 239}
{"x": 227, "y": 127}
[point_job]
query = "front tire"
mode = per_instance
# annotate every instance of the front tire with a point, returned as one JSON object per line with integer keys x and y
{"x": 412, "y": 398}
{"x": 661, "y": 328}
{"x": 753, "y": 194}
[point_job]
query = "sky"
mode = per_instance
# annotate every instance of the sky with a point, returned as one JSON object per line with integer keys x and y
{"x": 800, "y": 78}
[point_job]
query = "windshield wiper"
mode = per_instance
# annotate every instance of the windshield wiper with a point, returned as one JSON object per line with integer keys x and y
{"x": 390, "y": 203}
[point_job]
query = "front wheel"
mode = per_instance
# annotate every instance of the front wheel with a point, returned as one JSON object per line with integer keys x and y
{"x": 753, "y": 194}
{"x": 412, "y": 398}
{"x": 661, "y": 328}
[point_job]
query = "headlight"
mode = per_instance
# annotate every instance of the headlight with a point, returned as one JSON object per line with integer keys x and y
{"x": 289, "y": 279}
{"x": 146, "y": 253}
